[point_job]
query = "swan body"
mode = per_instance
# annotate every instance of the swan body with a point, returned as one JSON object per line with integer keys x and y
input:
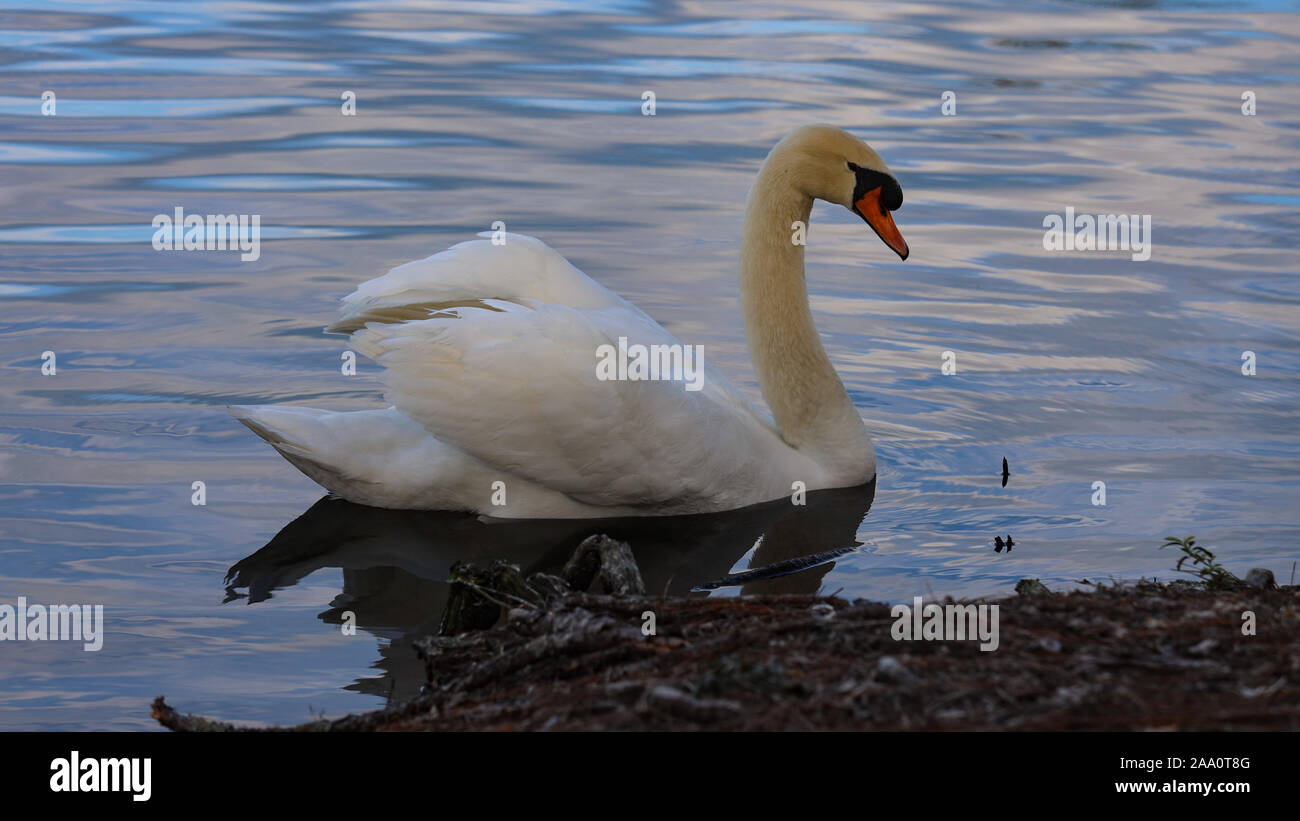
{"x": 490, "y": 351}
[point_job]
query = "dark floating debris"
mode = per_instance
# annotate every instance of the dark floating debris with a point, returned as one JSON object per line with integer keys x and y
{"x": 607, "y": 563}
{"x": 772, "y": 571}
{"x": 478, "y": 597}
{"x": 1032, "y": 587}
{"x": 1261, "y": 577}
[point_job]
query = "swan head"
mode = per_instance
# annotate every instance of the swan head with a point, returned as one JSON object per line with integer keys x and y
{"x": 829, "y": 163}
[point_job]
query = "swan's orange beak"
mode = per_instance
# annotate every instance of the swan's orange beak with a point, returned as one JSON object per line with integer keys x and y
{"x": 880, "y": 220}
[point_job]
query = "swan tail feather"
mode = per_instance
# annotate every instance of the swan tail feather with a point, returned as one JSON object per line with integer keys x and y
{"x": 300, "y": 435}
{"x": 284, "y": 428}
{"x": 371, "y": 457}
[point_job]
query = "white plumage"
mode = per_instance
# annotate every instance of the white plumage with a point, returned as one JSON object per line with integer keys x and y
{"x": 489, "y": 354}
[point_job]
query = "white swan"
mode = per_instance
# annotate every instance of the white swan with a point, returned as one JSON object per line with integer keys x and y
{"x": 490, "y": 355}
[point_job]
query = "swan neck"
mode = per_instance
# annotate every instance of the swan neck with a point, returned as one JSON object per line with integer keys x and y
{"x": 808, "y": 401}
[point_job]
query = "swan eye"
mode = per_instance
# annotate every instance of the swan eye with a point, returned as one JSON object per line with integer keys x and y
{"x": 891, "y": 196}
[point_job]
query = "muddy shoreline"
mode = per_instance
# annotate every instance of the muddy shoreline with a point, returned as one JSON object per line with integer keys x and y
{"x": 1139, "y": 656}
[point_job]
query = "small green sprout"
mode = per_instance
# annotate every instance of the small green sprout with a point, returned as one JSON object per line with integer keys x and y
{"x": 1212, "y": 574}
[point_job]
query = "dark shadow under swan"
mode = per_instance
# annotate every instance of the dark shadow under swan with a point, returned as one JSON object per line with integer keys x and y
{"x": 395, "y": 563}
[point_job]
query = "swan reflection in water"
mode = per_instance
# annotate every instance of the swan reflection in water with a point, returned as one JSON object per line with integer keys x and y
{"x": 396, "y": 563}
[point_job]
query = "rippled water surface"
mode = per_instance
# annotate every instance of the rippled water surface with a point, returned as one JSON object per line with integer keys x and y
{"x": 1077, "y": 367}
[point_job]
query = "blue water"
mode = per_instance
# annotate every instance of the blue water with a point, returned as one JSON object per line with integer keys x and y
{"x": 1077, "y": 367}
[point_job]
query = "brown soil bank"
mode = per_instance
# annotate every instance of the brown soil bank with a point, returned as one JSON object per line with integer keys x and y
{"x": 1134, "y": 657}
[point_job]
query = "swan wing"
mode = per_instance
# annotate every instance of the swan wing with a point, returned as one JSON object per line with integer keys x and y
{"x": 465, "y": 274}
{"x": 514, "y": 382}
